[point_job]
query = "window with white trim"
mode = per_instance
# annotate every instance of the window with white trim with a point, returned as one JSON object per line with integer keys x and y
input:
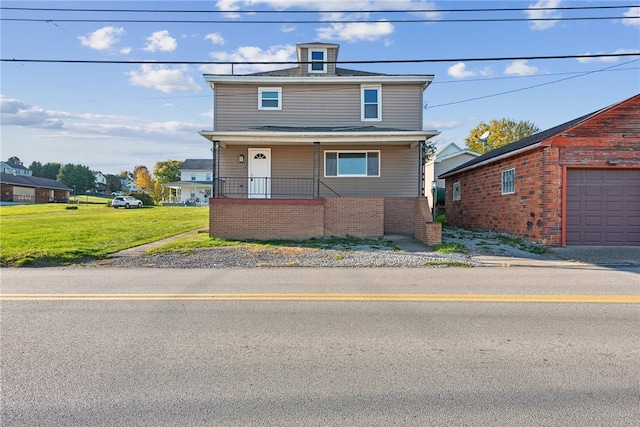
{"x": 269, "y": 98}
{"x": 317, "y": 60}
{"x": 456, "y": 192}
{"x": 351, "y": 163}
{"x": 193, "y": 176}
{"x": 371, "y": 103}
{"x": 509, "y": 181}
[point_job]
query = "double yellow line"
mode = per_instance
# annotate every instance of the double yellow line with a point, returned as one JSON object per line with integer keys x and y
{"x": 372, "y": 297}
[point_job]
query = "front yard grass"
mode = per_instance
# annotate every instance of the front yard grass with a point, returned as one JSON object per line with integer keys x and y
{"x": 51, "y": 234}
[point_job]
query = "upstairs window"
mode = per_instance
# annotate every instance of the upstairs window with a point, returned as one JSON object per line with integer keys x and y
{"x": 371, "y": 108}
{"x": 193, "y": 177}
{"x": 508, "y": 181}
{"x": 317, "y": 60}
{"x": 269, "y": 98}
{"x": 352, "y": 163}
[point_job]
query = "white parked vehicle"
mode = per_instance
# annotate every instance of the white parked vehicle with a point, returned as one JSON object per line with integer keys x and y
{"x": 126, "y": 201}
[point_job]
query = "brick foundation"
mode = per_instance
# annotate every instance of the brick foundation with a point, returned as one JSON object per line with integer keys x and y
{"x": 264, "y": 219}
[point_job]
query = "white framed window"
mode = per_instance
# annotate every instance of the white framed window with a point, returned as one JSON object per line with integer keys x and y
{"x": 208, "y": 176}
{"x": 269, "y": 98}
{"x": 456, "y": 192}
{"x": 509, "y": 181}
{"x": 351, "y": 163}
{"x": 193, "y": 176}
{"x": 317, "y": 60}
{"x": 371, "y": 103}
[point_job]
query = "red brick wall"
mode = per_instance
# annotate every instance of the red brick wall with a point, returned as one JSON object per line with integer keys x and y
{"x": 334, "y": 216}
{"x": 354, "y": 216}
{"x": 531, "y": 212}
{"x": 399, "y": 215}
{"x": 266, "y": 219}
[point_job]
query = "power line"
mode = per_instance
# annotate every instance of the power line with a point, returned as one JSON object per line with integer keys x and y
{"x": 315, "y": 21}
{"x": 389, "y": 61}
{"x": 529, "y": 87}
{"x": 514, "y": 9}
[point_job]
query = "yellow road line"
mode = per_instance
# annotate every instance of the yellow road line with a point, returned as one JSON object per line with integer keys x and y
{"x": 388, "y": 297}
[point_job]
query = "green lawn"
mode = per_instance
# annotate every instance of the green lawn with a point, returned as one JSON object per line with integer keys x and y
{"x": 53, "y": 234}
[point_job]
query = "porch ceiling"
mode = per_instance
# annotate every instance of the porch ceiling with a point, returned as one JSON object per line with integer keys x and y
{"x": 258, "y": 138}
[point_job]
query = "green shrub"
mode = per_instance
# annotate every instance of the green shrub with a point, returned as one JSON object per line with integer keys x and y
{"x": 147, "y": 199}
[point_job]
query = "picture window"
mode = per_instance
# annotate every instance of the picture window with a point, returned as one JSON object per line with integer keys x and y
{"x": 352, "y": 163}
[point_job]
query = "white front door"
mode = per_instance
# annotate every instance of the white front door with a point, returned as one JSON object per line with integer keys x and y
{"x": 259, "y": 173}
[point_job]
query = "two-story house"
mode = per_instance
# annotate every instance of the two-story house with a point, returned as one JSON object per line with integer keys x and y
{"x": 318, "y": 150}
{"x": 194, "y": 187}
{"x": 14, "y": 169}
{"x": 100, "y": 182}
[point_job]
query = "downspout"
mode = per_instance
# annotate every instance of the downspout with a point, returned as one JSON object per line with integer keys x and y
{"x": 214, "y": 157}
{"x": 316, "y": 169}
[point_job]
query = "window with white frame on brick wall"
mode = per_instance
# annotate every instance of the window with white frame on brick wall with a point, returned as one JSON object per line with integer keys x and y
{"x": 456, "y": 192}
{"x": 508, "y": 181}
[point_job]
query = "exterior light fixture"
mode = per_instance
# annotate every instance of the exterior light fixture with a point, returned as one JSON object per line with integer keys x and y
{"x": 241, "y": 158}
{"x": 434, "y": 193}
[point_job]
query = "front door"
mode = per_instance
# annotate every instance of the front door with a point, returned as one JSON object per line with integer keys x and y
{"x": 259, "y": 173}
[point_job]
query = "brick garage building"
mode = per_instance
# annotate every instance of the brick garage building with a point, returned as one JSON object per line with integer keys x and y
{"x": 577, "y": 184}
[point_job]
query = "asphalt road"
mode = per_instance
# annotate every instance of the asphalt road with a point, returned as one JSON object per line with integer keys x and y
{"x": 136, "y": 360}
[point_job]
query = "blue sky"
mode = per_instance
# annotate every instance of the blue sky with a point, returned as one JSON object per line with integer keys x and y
{"x": 112, "y": 117}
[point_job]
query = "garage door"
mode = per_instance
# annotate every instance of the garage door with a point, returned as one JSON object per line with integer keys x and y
{"x": 603, "y": 207}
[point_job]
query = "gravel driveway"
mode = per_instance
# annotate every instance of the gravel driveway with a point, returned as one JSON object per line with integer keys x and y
{"x": 408, "y": 253}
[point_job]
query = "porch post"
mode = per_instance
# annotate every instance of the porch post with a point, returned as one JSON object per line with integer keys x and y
{"x": 421, "y": 173}
{"x": 316, "y": 169}
{"x": 214, "y": 157}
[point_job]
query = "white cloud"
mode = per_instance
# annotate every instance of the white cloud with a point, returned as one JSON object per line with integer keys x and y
{"x": 163, "y": 78}
{"x": 520, "y": 68}
{"x": 160, "y": 41}
{"x": 546, "y": 14}
{"x": 125, "y": 50}
{"x": 103, "y": 38}
{"x": 284, "y": 53}
{"x": 459, "y": 71}
{"x": 607, "y": 58}
{"x": 442, "y": 125}
{"x": 215, "y": 38}
{"x": 354, "y": 32}
{"x": 632, "y": 12}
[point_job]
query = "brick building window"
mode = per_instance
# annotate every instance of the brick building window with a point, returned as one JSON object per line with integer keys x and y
{"x": 508, "y": 181}
{"x": 456, "y": 191}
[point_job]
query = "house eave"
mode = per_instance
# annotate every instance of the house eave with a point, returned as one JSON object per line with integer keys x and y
{"x": 489, "y": 161}
{"x": 212, "y": 79}
{"x": 294, "y": 138}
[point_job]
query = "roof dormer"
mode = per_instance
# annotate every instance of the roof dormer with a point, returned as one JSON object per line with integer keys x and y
{"x": 317, "y": 58}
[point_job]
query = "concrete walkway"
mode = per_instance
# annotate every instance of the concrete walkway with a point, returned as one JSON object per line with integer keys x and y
{"x": 140, "y": 250}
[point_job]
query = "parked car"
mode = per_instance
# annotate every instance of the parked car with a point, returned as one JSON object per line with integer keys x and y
{"x": 126, "y": 201}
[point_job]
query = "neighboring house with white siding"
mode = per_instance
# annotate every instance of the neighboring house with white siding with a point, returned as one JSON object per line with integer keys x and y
{"x": 14, "y": 169}
{"x": 318, "y": 150}
{"x": 194, "y": 187}
{"x": 444, "y": 159}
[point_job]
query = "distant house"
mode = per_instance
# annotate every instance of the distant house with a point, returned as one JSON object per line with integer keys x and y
{"x": 14, "y": 169}
{"x": 576, "y": 184}
{"x": 194, "y": 187}
{"x": 127, "y": 183}
{"x": 444, "y": 159}
{"x": 31, "y": 189}
{"x": 319, "y": 150}
{"x": 100, "y": 182}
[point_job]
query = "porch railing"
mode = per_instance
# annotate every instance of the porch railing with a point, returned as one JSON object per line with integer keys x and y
{"x": 266, "y": 187}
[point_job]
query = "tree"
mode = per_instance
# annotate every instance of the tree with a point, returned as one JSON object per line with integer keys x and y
{"x": 114, "y": 182}
{"x": 143, "y": 179}
{"x": 36, "y": 168}
{"x": 48, "y": 170}
{"x": 77, "y": 176}
{"x": 15, "y": 160}
{"x": 501, "y": 132}
{"x": 167, "y": 171}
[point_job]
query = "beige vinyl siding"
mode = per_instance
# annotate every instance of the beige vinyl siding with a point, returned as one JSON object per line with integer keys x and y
{"x": 399, "y": 174}
{"x": 236, "y": 106}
